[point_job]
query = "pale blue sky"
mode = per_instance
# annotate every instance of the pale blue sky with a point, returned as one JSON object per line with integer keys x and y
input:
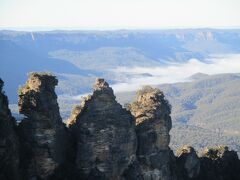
{"x": 116, "y": 14}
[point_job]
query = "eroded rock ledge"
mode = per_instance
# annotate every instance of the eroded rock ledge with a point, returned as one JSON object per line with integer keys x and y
{"x": 102, "y": 139}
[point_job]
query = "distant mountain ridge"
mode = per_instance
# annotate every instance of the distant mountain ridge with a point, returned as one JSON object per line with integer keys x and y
{"x": 88, "y": 54}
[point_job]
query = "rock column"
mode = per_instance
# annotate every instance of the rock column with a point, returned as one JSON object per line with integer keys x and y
{"x": 153, "y": 123}
{"x": 42, "y": 133}
{"x": 105, "y": 135}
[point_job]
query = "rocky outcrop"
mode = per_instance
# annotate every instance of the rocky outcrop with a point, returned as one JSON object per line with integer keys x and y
{"x": 104, "y": 141}
{"x": 105, "y": 135}
{"x": 188, "y": 163}
{"x": 9, "y": 145}
{"x": 153, "y": 123}
{"x": 219, "y": 163}
{"x": 212, "y": 164}
{"x": 43, "y": 135}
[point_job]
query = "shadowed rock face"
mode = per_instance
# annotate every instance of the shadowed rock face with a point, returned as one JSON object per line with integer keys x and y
{"x": 188, "y": 162}
{"x": 153, "y": 123}
{"x": 104, "y": 133}
{"x": 42, "y": 133}
{"x": 9, "y": 145}
{"x": 219, "y": 163}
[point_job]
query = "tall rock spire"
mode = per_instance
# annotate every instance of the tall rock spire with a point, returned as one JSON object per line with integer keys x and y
{"x": 42, "y": 132}
{"x": 105, "y": 135}
{"x": 153, "y": 123}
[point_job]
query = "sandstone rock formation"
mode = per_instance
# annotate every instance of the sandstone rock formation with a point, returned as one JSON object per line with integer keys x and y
{"x": 219, "y": 163}
{"x": 105, "y": 135}
{"x": 42, "y": 133}
{"x": 104, "y": 141}
{"x": 9, "y": 145}
{"x": 153, "y": 123}
{"x": 188, "y": 163}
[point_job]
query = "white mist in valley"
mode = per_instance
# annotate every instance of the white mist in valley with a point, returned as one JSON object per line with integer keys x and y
{"x": 137, "y": 77}
{"x": 172, "y": 73}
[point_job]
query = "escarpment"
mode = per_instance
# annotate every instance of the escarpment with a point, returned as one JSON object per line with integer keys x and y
{"x": 153, "y": 123}
{"x": 42, "y": 134}
{"x": 104, "y": 133}
{"x": 102, "y": 140}
{"x": 9, "y": 144}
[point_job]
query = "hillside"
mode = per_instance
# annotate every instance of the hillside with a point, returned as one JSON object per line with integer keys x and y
{"x": 204, "y": 111}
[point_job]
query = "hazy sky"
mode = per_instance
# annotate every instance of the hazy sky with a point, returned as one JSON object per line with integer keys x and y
{"x": 113, "y": 14}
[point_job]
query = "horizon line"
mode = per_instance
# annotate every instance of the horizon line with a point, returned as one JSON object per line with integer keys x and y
{"x": 42, "y": 28}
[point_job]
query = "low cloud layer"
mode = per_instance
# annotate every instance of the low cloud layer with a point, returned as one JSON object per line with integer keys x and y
{"x": 140, "y": 76}
{"x": 137, "y": 77}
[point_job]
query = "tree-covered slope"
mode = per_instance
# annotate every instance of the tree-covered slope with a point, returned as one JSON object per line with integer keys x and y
{"x": 205, "y": 111}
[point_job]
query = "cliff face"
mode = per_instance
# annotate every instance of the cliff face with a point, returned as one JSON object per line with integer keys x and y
{"x": 105, "y": 135}
{"x": 153, "y": 123}
{"x": 9, "y": 145}
{"x": 188, "y": 163}
{"x": 103, "y": 140}
{"x": 42, "y": 133}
